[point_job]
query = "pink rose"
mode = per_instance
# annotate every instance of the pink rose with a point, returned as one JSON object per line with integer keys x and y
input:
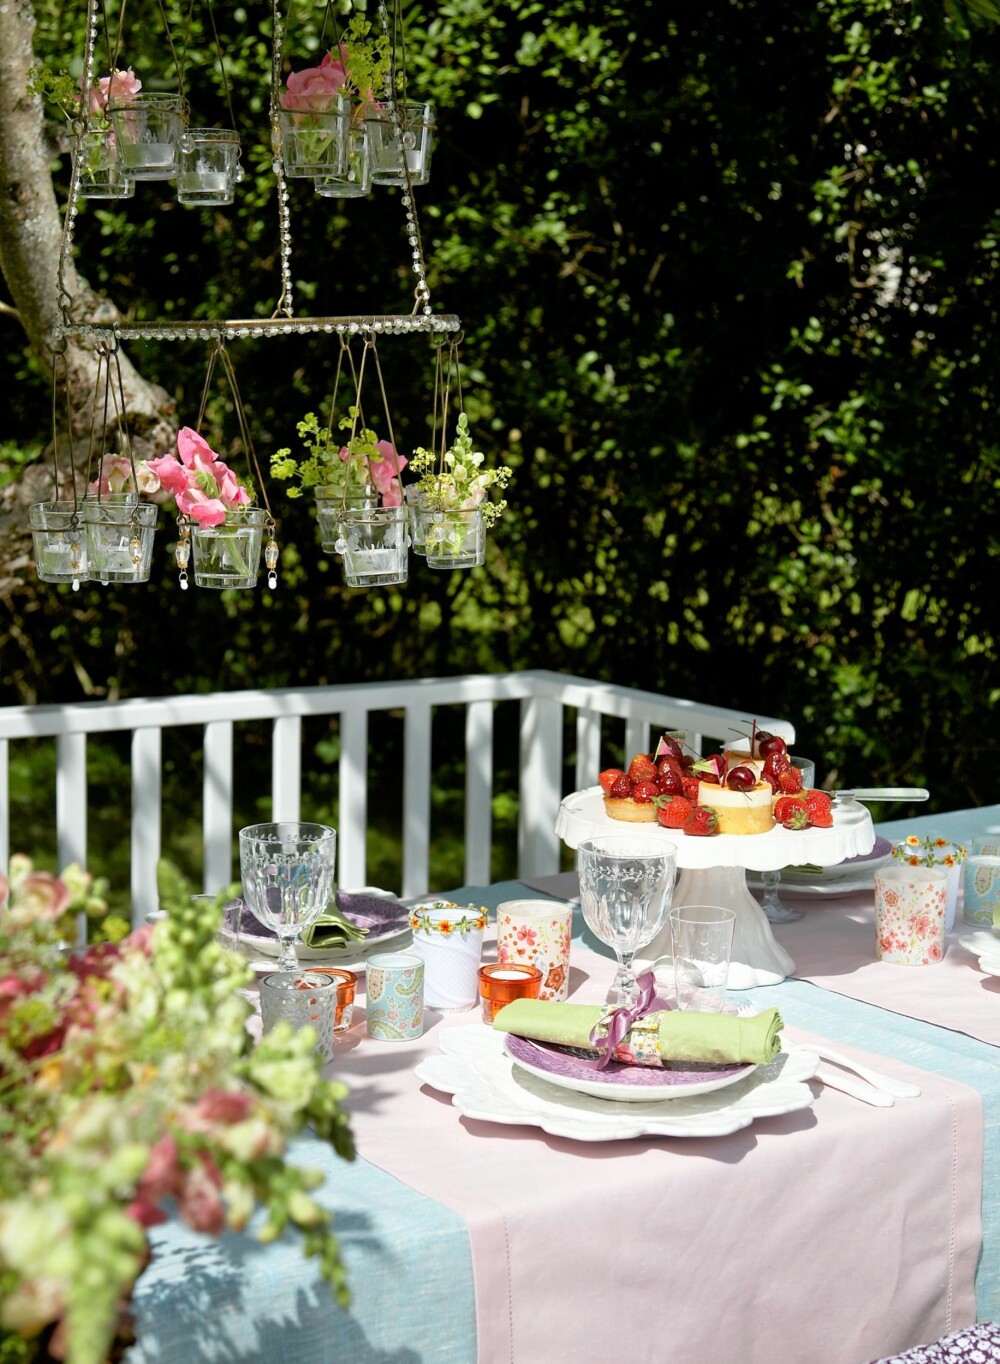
{"x": 314, "y": 90}
{"x": 385, "y": 471}
{"x": 121, "y": 87}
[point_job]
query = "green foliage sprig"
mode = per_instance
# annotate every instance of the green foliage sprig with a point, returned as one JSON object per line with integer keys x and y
{"x": 454, "y": 480}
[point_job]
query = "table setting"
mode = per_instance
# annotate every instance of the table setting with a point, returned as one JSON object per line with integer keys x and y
{"x": 513, "y": 1141}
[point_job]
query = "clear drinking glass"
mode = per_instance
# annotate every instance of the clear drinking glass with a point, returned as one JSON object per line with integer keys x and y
{"x": 626, "y": 886}
{"x": 288, "y": 870}
{"x": 702, "y": 941}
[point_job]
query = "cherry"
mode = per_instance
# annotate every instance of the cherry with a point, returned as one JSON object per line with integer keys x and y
{"x": 770, "y": 743}
{"x": 670, "y": 782}
{"x": 741, "y": 779}
{"x": 669, "y": 748}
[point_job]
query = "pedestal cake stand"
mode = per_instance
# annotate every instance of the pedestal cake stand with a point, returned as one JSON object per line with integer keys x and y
{"x": 712, "y": 871}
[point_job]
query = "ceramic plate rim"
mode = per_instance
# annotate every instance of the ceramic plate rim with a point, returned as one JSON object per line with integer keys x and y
{"x": 604, "y": 1088}
{"x": 270, "y": 947}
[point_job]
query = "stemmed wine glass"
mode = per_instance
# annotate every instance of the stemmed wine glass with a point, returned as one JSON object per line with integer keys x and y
{"x": 626, "y": 886}
{"x": 288, "y": 871}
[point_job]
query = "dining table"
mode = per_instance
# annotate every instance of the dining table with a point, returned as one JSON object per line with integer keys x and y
{"x": 841, "y": 1230}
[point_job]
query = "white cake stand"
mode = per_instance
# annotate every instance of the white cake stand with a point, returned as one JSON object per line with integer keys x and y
{"x": 712, "y": 871}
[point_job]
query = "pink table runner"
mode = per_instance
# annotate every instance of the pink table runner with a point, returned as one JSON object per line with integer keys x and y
{"x": 834, "y": 946}
{"x": 816, "y": 1236}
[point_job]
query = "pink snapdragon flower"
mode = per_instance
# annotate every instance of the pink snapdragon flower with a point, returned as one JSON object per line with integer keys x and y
{"x": 385, "y": 471}
{"x": 203, "y": 487}
{"x": 316, "y": 89}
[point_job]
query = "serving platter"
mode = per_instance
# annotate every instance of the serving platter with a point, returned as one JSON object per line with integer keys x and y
{"x": 569, "y": 1069}
{"x": 486, "y": 1085}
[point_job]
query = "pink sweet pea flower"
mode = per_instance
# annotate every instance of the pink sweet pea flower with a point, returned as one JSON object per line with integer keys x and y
{"x": 314, "y": 90}
{"x": 385, "y": 471}
{"x": 172, "y": 475}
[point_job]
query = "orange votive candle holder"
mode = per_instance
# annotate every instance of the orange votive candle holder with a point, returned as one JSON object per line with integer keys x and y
{"x": 346, "y": 985}
{"x": 503, "y": 981}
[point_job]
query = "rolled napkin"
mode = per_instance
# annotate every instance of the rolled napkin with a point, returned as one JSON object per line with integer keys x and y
{"x": 658, "y": 1037}
{"x": 332, "y": 929}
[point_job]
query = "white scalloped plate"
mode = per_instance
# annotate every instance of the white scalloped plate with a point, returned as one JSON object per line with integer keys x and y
{"x": 986, "y": 946}
{"x": 485, "y": 1085}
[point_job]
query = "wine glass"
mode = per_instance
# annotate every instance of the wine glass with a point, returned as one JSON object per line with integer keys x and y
{"x": 288, "y": 872}
{"x": 626, "y": 886}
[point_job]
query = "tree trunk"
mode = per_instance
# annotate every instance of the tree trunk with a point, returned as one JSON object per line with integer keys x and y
{"x": 31, "y": 235}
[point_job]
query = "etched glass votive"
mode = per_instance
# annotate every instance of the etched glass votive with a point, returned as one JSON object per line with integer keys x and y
{"x": 208, "y": 166}
{"x": 503, "y": 981}
{"x": 304, "y": 999}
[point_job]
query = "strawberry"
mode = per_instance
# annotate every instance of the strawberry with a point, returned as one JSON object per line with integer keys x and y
{"x": 642, "y": 768}
{"x": 621, "y": 788}
{"x": 790, "y": 781}
{"x": 798, "y": 818}
{"x": 671, "y": 783}
{"x": 701, "y": 821}
{"x": 785, "y": 805}
{"x": 821, "y": 819}
{"x": 644, "y": 791}
{"x": 690, "y": 785}
{"x": 774, "y": 764}
{"x": 673, "y": 811}
{"x": 817, "y": 800}
{"x": 608, "y": 778}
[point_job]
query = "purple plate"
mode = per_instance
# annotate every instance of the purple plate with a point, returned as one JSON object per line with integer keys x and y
{"x": 573, "y": 1069}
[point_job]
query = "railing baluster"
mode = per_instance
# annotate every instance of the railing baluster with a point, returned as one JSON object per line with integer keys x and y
{"x": 4, "y": 805}
{"x": 147, "y": 782}
{"x": 217, "y": 803}
{"x": 286, "y": 767}
{"x": 541, "y": 787}
{"x": 71, "y": 799}
{"x": 352, "y": 814}
{"x": 478, "y": 792}
{"x": 416, "y": 798}
{"x": 589, "y": 759}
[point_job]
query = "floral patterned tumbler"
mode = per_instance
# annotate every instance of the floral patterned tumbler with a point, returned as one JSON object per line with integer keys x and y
{"x": 537, "y": 932}
{"x": 910, "y": 914}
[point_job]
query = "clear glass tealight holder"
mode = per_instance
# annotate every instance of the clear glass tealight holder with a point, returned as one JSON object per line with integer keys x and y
{"x": 208, "y": 166}
{"x": 99, "y": 168}
{"x": 304, "y": 999}
{"x": 147, "y": 130}
{"x": 60, "y": 542}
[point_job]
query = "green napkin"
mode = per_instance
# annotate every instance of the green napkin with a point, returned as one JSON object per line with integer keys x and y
{"x": 721, "y": 1039}
{"x": 332, "y": 930}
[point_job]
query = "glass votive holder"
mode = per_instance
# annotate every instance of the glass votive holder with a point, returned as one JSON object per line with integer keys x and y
{"x": 304, "y": 999}
{"x": 503, "y": 981}
{"x": 346, "y": 982}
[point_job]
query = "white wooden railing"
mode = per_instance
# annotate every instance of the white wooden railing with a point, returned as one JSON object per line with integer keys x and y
{"x": 546, "y": 700}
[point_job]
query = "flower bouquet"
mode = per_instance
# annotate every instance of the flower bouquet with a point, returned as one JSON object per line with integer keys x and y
{"x": 215, "y": 514}
{"x": 360, "y": 475}
{"x": 99, "y": 169}
{"x": 325, "y": 111}
{"x": 450, "y": 510}
{"x": 131, "y": 1086}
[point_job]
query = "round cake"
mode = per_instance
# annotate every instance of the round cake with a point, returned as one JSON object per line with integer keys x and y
{"x": 739, "y": 812}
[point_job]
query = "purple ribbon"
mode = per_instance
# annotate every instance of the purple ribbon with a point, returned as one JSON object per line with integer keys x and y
{"x": 619, "y": 1023}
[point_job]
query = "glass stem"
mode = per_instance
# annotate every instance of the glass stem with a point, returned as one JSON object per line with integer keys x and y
{"x": 288, "y": 961}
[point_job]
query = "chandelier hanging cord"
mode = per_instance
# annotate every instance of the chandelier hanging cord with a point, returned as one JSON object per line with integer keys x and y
{"x": 114, "y": 398}
{"x": 58, "y": 352}
{"x": 227, "y": 90}
{"x": 283, "y": 307}
{"x": 397, "y": 478}
{"x": 178, "y": 66}
{"x": 219, "y": 353}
